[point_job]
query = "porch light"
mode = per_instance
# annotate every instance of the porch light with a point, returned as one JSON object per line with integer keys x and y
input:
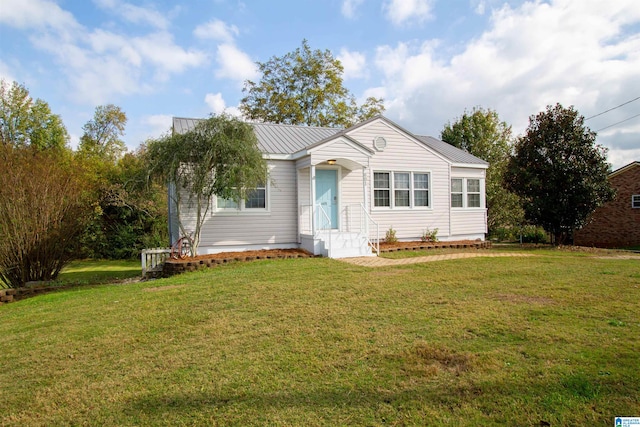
{"x": 332, "y": 161}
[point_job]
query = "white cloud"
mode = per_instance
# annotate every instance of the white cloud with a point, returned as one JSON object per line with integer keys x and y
{"x": 402, "y": 12}
{"x": 40, "y": 15}
{"x": 102, "y": 64}
{"x": 158, "y": 124}
{"x": 218, "y": 106}
{"x": 572, "y": 52}
{"x": 160, "y": 50}
{"x": 6, "y": 73}
{"x": 234, "y": 64}
{"x": 134, "y": 14}
{"x": 354, "y": 64}
{"x": 216, "y": 30}
{"x": 215, "y": 102}
{"x": 480, "y": 6}
{"x": 349, "y": 8}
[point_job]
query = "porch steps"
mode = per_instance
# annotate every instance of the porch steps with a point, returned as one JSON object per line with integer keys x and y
{"x": 344, "y": 245}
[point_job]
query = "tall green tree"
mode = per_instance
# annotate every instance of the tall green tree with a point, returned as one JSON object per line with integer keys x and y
{"x": 219, "y": 157}
{"x": 28, "y": 122}
{"x": 559, "y": 171}
{"x": 304, "y": 87}
{"x": 482, "y": 133}
{"x": 102, "y": 134}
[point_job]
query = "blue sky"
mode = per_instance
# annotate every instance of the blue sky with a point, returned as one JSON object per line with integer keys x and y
{"x": 429, "y": 59}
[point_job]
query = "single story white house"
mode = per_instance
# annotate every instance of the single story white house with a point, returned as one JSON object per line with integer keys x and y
{"x": 336, "y": 192}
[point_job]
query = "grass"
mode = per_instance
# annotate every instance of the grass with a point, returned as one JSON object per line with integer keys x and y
{"x": 91, "y": 272}
{"x": 485, "y": 341}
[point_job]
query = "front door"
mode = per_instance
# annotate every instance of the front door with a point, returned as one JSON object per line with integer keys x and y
{"x": 327, "y": 197}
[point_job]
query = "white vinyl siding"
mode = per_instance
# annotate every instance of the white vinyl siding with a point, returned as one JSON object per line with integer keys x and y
{"x": 342, "y": 148}
{"x": 403, "y": 154}
{"x": 277, "y": 225}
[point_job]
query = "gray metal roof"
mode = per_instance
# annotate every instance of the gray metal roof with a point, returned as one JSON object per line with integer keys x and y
{"x": 454, "y": 154}
{"x": 273, "y": 138}
{"x": 288, "y": 139}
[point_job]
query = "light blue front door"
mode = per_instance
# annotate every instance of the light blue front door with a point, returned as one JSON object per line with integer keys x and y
{"x": 327, "y": 197}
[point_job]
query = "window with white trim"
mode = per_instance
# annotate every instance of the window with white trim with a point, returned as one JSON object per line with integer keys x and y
{"x": 410, "y": 189}
{"x": 466, "y": 193}
{"x": 381, "y": 186}
{"x": 256, "y": 200}
{"x": 473, "y": 193}
{"x": 401, "y": 186}
{"x": 635, "y": 201}
{"x": 456, "y": 193}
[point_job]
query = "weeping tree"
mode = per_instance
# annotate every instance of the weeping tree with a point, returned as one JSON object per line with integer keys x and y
{"x": 218, "y": 157}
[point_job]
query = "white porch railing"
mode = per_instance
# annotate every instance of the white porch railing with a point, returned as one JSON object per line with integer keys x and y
{"x": 353, "y": 218}
{"x": 153, "y": 259}
{"x": 358, "y": 220}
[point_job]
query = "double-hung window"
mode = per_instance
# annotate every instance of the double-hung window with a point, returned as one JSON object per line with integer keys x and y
{"x": 256, "y": 200}
{"x": 473, "y": 193}
{"x": 381, "y": 189}
{"x": 457, "y": 195}
{"x": 635, "y": 201}
{"x": 421, "y": 189}
{"x": 466, "y": 193}
{"x": 402, "y": 186}
{"x": 401, "y": 189}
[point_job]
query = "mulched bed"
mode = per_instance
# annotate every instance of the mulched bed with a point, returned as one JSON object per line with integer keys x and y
{"x": 248, "y": 255}
{"x": 418, "y": 245}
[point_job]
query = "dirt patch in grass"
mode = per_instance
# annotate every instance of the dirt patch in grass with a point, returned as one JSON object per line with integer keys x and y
{"x": 431, "y": 359}
{"x": 524, "y": 299}
{"x": 163, "y": 288}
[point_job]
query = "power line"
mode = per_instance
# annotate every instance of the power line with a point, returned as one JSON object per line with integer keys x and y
{"x": 621, "y": 121}
{"x": 611, "y": 109}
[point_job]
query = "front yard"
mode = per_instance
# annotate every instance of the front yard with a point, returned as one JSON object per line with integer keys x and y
{"x": 550, "y": 338}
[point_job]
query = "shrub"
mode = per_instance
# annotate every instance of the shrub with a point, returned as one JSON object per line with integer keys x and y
{"x": 533, "y": 234}
{"x": 390, "y": 236}
{"x": 505, "y": 234}
{"x": 44, "y": 205}
{"x": 429, "y": 235}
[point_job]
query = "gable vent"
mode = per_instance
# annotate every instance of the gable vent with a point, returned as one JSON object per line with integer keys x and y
{"x": 379, "y": 143}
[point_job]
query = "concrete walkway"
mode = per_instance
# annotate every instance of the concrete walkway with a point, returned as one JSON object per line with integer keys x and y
{"x": 386, "y": 262}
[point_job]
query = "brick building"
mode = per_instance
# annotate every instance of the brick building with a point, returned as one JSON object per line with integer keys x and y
{"x": 617, "y": 223}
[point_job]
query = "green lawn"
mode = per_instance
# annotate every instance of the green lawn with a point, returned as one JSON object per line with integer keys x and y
{"x": 484, "y": 341}
{"x": 90, "y": 272}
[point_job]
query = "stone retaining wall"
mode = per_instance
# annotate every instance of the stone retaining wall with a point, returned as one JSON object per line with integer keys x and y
{"x": 7, "y": 295}
{"x": 440, "y": 245}
{"x": 175, "y": 266}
